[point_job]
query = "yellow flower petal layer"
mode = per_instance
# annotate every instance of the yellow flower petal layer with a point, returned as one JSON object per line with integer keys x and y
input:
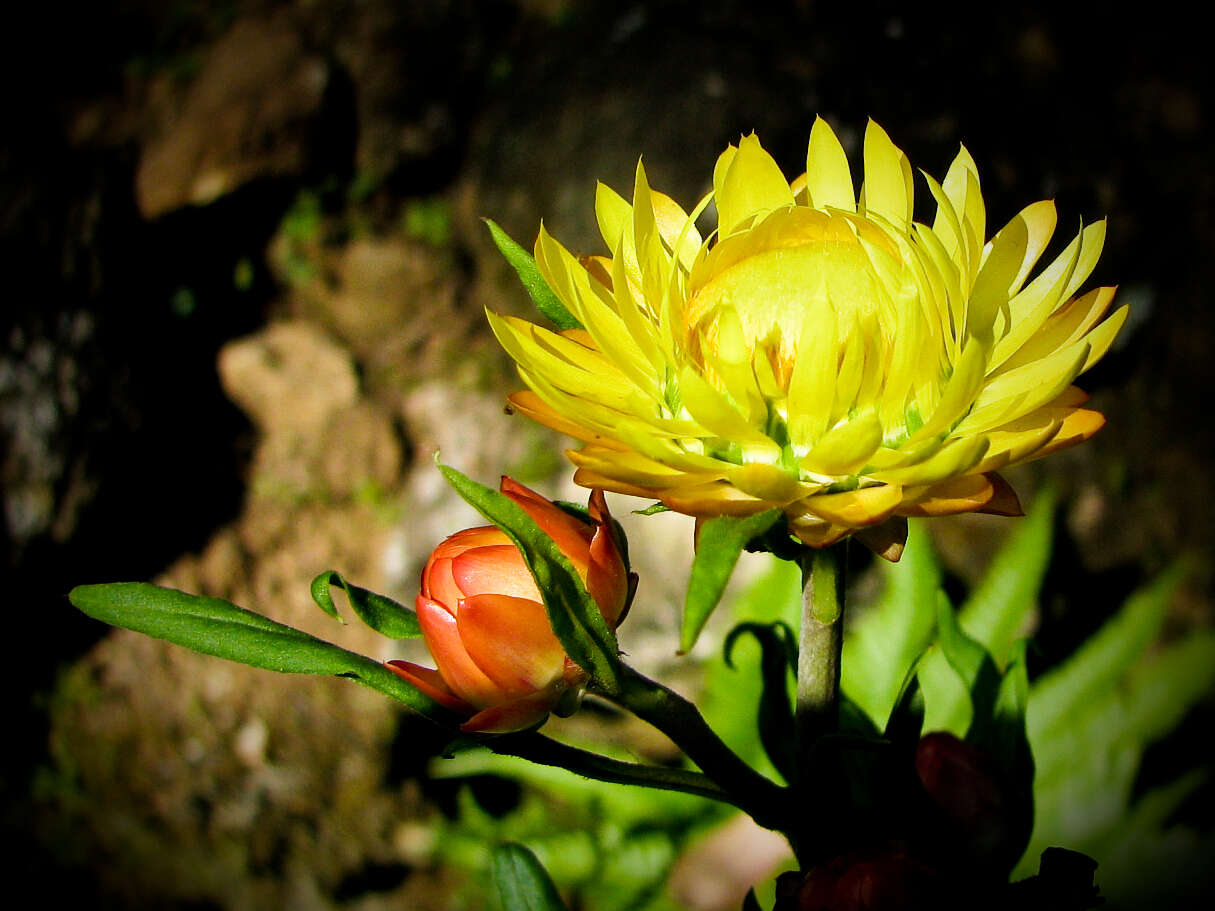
{"x": 821, "y": 351}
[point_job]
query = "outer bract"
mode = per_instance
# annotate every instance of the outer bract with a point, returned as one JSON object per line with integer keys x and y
{"x": 819, "y": 352}
{"x": 484, "y": 621}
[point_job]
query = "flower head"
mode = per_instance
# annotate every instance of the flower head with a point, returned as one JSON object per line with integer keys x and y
{"x": 484, "y": 621}
{"x": 818, "y": 352}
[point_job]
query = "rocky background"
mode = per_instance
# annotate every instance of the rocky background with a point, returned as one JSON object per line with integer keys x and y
{"x": 245, "y": 275}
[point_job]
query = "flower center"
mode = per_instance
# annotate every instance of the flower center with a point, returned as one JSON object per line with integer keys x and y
{"x": 800, "y": 271}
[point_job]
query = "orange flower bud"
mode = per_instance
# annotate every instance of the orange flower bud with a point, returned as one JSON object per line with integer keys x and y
{"x": 484, "y": 621}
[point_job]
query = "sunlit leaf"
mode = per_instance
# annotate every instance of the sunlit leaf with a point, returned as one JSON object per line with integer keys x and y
{"x": 522, "y": 883}
{"x": 719, "y": 542}
{"x": 216, "y": 627}
{"x": 537, "y": 288}
{"x": 381, "y": 613}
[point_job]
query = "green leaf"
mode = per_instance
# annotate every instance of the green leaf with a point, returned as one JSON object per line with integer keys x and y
{"x": 889, "y": 637}
{"x": 906, "y": 722}
{"x": 537, "y": 288}
{"x": 718, "y": 545}
{"x": 382, "y": 614}
{"x": 973, "y": 664}
{"x": 778, "y": 661}
{"x": 573, "y": 613}
{"x": 1103, "y": 658}
{"x": 521, "y": 881}
{"x": 997, "y": 609}
{"x": 1006, "y": 741}
{"x": 216, "y": 627}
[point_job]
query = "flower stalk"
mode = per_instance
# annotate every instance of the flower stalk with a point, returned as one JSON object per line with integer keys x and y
{"x": 537, "y": 748}
{"x": 816, "y": 712}
{"x": 764, "y": 800}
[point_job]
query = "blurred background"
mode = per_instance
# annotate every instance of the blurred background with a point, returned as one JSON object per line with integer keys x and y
{"x": 245, "y": 273}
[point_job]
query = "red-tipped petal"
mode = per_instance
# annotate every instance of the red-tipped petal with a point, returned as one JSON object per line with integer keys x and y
{"x": 510, "y": 639}
{"x": 494, "y": 570}
{"x": 606, "y": 577}
{"x": 459, "y": 671}
{"x": 511, "y": 716}
{"x": 572, "y": 537}
{"x": 430, "y": 682}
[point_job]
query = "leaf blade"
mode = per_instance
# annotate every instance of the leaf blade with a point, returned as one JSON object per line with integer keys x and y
{"x": 537, "y": 288}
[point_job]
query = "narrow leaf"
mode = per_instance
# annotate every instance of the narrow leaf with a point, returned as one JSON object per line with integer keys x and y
{"x": 1102, "y": 659}
{"x": 537, "y": 288}
{"x": 216, "y": 627}
{"x": 718, "y": 545}
{"x": 522, "y": 882}
{"x": 575, "y": 616}
{"x": 888, "y": 638}
{"x": 1007, "y": 742}
{"x": 906, "y": 722}
{"x": 997, "y": 609}
{"x": 973, "y": 664}
{"x": 381, "y": 613}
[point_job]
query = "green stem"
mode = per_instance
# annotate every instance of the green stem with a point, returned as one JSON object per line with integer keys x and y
{"x": 764, "y": 800}
{"x": 546, "y": 751}
{"x": 818, "y": 680}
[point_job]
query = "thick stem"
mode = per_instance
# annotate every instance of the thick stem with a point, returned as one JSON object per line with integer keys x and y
{"x": 764, "y": 800}
{"x": 545, "y": 751}
{"x": 818, "y": 683}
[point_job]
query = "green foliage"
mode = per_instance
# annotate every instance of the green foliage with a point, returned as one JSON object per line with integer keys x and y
{"x": 719, "y": 542}
{"x": 573, "y": 613}
{"x": 887, "y": 637}
{"x": 1088, "y": 720}
{"x": 382, "y": 614}
{"x": 999, "y": 609}
{"x": 611, "y": 848}
{"x": 522, "y": 883}
{"x": 219, "y": 628}
{"x": 537, "y": 288}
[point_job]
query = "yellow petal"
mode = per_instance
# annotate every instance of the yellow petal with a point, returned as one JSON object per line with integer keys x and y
{"x": 956, "y": 457}
{"x": 1007, "y": 260}
{"x": 717, "y": 499}
{"x": 855, "y": 508}
{"x": 846, "y": 447}
{"x": 752, "y": 185}
{"x": 887, "y": 191}
{"x": 1066, "y": 325}
{"x": 767, "y": 482}
{"x": 828, "y": 177}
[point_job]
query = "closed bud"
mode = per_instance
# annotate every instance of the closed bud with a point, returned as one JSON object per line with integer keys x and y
{"x": 484, "y": 622}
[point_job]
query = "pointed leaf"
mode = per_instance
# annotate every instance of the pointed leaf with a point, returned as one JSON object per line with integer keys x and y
{"x": 999, "y": 606}
{"x": 575, "y": 616}
{"x": 537, "y": 288}
{"x": 522, "y": 882}
{"x": 973, "y": 664}
{"x": 888, "y": 638}
{"x": 718, "y": 545}
{"x": 219, "y": 628}
{"x": 385, "y": 616}
{"x": 1102, "y": 659}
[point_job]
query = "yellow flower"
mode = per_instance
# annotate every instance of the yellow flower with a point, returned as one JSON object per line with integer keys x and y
{"x": 818, "y": 352}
